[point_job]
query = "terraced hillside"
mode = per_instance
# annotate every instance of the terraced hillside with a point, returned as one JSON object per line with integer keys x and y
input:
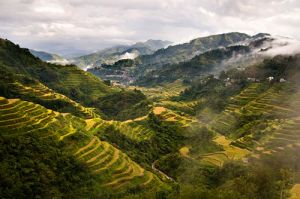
{"x": 137, "y": 129}
{"x": 68, "y": 80}
{"x": 114, "y": 168}
{"x": 130, "y": 128}
{"x": 164, "y": 91}
{"x": 282, "y": 140}
{"x": 111, "y": 167}
{"x": 77, "y": 78}
{"x": 185, "y": 107}
{"x": 170, "y": 116}
{"x": 250, "y": 118}
{"x": 229, "y": 153}
{"x": 41, "y": 94}
{"x": 227, "y": 120}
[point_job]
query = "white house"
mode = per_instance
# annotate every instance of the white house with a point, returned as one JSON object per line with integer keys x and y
{"x": 270, "y": 78}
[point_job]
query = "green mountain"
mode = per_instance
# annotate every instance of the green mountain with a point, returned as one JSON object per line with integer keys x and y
{"x": 200, "y": 65}
{"x": 101, "y": 169}
{"x": 163, "y": 57}
{"x": 113, "y": 54}
{"x": 68, "y": 80}
{"x": 69, "y": 85}
{"x": 239, "y": 55}
{"x": 81, "y": 160}
{"x": 186, "y": 51}
{"x": 65, "y": 133}
{"x": 254, "y": 120}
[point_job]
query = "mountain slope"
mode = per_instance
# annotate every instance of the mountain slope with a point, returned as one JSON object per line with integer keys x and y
{"x": 198, "y": 66}
{"x": 164, "y": 57}
{"x": 111, "y": 169}
{"x": 254, "y": 121}
{"x": 186, "y": 51}
{"x": 26, "y": 88}
{"x": 111, "y": 55}
{"x": 68, "y": 80}
{"x": 235, "y": 135}
{"x": 239, "y": 55}
{"x": 48, "y": 57}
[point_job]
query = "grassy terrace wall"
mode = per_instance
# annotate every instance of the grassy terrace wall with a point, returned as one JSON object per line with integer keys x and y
{"x": 112, "y": 168}
{"x": 20, "y": 86}
{"x": 255, "y": 121}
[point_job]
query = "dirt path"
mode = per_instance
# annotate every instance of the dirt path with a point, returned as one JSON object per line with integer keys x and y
{"x": 160, "y": 172}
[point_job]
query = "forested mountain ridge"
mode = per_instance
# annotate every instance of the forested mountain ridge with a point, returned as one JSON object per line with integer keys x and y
{"x": 113, "y": 54}
{"x": 199, "y": 56}
{"x": 182, "y": 52}
{"x": 68, "y": 80}
{"x": 200, "y": 65}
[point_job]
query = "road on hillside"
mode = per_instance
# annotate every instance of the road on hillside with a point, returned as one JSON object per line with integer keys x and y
{"x": 160, "y": 172}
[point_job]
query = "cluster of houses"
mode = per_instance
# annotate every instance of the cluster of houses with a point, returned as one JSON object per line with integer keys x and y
{"x": 271, "y": 79}
{"x": 229, "y": 81}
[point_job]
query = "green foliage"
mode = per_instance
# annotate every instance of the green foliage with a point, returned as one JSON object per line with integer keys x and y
{"x": 107, "y": 82}
{"x": 170, "y": 164}
{"x": 280, "y": 66}
{"x": 8, "y": 89}
{"x": 200, "y": 65}
{"x": 119, "y": 64}
{"x": 182, "y": 52}
{"x": 167, "y": 139}
{"x": 35, "y": 168}
{"x": 214, "y": 91}
{"x": 234, "y": 180}
{"x": 42, "y": 168}
{"x": 123, "y": 105}
{"x": 68, "y": 80}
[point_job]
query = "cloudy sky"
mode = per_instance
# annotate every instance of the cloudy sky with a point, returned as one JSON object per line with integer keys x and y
{"x": 73, "y": 26}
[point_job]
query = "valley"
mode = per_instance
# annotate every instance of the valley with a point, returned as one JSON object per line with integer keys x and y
{"x": 203, "y": 124}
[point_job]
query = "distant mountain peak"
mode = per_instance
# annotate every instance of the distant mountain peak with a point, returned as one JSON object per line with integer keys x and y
{"x": 115, "y": 53}
{"x": 49, "y": 57}
{"x": 259, "y": 35}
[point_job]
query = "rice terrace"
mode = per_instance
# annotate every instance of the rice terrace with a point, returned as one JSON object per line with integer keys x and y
{"x": 175, "y": 99}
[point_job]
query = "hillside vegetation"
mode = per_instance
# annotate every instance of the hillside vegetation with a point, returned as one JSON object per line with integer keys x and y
{"x": 106, "y": 165}
{"x": 155, "y": 68}
{"x": 186, "y": 51}
{"x": 63, "y": 88}
{"x": 67, "y": 134}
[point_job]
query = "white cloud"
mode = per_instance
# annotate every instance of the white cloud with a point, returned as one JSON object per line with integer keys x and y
{"x": 70, "y": 26}
{"x": 128, "y": 55}
{"x": 49, "y": 9}
{"x": 282, "y": 46}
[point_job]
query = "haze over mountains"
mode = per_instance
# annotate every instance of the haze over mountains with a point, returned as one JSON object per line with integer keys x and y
{"x": 200, "y": 56}
{"x": 156, "y": 61}
{"x": 113, "y": 54}
{"x": 49, "y": 57}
